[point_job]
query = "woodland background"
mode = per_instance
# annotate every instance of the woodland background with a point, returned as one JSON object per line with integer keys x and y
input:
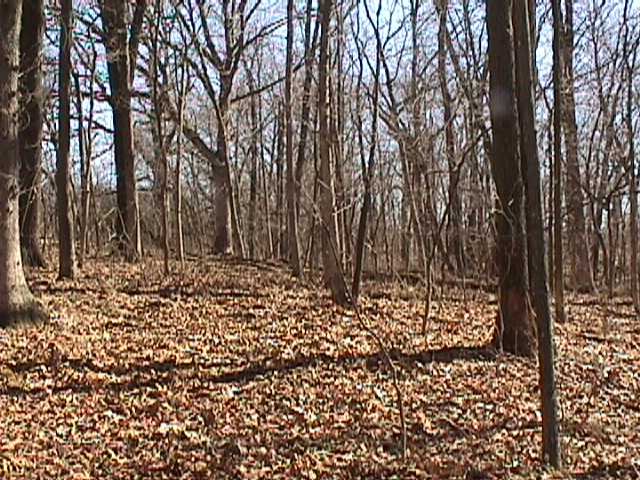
{"x": 204, "y": 170}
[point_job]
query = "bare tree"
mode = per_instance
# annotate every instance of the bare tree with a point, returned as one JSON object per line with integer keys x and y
{"x": 30, "y": 132}
{"x": 330, "y": 258}
{"x": 535, "y": 231}
{"x": 292, "y": 217}
{"x": 122, "y": 47}
{"x": 558, "y": 262}
{"x": 455, "y": 210}
{"x": 159, "y": 138}
{"x": 630, "y": 52}
{"x": 367, "y": 166}
{"x": 66, "y": 232}
{"x": 514, "y": 329}
{"x": 580, "y": 270}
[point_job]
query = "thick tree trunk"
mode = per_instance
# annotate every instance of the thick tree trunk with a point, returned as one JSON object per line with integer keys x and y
{"x": 222, "y": 220}
{"x": 535, "y": 234}
{"x": 227, "y": 227}
{"x": 30, "y": 134}
{"x": 581, "y": 277}
{"x": 119, "y": 68}
{"x": 17, "y": 304}
{"x": 514, "y": 332}
{"x": 330, "y": 255}
{"x": 66, "y": 233}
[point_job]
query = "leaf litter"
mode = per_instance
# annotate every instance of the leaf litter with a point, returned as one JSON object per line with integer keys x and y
{"x": 236, "y": 370}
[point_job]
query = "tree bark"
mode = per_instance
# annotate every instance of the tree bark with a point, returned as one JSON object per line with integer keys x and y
{"x": 455, "y": 211}
{"x": 120, "y": 65}
{"x": 535, "y": 234}
{"x": 367, "y": 167}
{"x": 630, "y": 55}
{"x": 514, "y": 329}
{"x": 158, "y": 134}
{"x": 85, "y": 147}
{"x": 309, "y": 44}
{"x": 580, "y": 268}
{"x": 66, "y": 232}
{"x": 292, "y": 207}
{"x": 253, "y": 163}
{"x": 558, "y": 262}
{"x": 181, "y": 85}
{"x": 30, "y": 133}
{"x": 17, "y": 303}
{"x": 330, "y": 256}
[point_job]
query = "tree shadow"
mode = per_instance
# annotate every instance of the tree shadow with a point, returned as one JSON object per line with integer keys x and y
{"x": 614, "y": 470}
{"x": 169, "y": 292}
{"x": 162, "y": 373}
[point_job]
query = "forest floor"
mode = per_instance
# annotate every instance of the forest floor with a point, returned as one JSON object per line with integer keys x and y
{"x": 229, "y": 369}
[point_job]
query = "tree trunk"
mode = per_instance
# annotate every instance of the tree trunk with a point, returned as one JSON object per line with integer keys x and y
{"x": 227, "y": 234}
{"x": 514, "y": 332}
{"x": 30, "y": 133}
{"x": 581, "y": 276}
{"x": 535, "y": 234}
{"x": 222, "y": 237}
{"x": 158, "y": 135}
{"x": 630, "y": 55}
{"x": 17, "y": 304}
{"x": 330, "y": 256}
{"x": 309, "y": 44}
{"x": 66, "y": 232}
{"x": 85, "y": 172}
{"x": 455, "y": 211}
{"x": 182, "y": 93}
{"x": 253, "y": 167}
{"x": 119, "y": 65}
{"x": 292, "y": 207}
{"x": 558, "y": 262}
{"x": 368, "y": 166}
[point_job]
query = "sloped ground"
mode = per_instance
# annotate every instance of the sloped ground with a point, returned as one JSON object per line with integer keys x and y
{"x": 235, "y": 370}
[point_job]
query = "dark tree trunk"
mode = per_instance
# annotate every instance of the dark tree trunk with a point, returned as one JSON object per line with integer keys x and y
{"x": 367, "y": 167}
{"x": 17, "y": 304}
{"x": 309, "y": 43}
{"x": 330, "y": 254}
{"x": 120, "y": 66}
{"x": 30, "y": 134}
{"x": 67, "y": 252}
{"x": 580, "y": 268}
{"x": 535, "y": 234}
{"x": 455, "y": 210}
{"x": 514, "y": 329}
{"x": 227, "y": 234}
{"x": 558, "y": 253}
